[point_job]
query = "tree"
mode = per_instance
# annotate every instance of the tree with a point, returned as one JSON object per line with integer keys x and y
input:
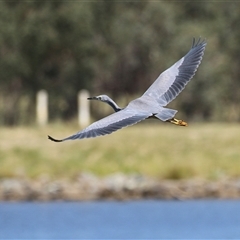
{"x": 118, "y": 48}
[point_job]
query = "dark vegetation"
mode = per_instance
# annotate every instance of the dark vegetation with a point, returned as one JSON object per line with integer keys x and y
{"x": 118, "y": 48}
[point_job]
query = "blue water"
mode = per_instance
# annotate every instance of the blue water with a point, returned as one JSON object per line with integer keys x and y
{"x": 111, "y": 220}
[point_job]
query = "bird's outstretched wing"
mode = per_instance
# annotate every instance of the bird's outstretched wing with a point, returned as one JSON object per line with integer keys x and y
{"x": 172, "y": 81}
{"x": 107, "y": 125}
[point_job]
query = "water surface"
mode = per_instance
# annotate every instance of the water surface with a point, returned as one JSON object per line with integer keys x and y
{"x": 122, "y": 220}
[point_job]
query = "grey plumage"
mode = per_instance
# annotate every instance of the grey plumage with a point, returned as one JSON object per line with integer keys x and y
{"x": 108, "y": 100}
{"x": 151, "y": 104}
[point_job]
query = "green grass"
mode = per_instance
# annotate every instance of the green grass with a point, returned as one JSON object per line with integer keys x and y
{"x": 160, "y": 150}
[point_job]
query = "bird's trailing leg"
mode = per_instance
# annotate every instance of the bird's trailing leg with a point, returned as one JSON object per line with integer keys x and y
{"x": 177, "y": 122}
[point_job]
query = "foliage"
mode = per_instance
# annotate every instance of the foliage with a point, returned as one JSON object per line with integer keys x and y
{"x": 117, "y": 48}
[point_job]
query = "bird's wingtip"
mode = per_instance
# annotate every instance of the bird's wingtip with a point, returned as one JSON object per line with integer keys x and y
{"x": 53, "y": 139}
{"x": 199, "y": 41}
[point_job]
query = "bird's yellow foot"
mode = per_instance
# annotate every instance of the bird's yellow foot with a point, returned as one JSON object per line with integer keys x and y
{"x": 177, "y": 122}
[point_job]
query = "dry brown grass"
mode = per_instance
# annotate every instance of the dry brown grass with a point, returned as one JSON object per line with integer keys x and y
{"x": 161, "y": 150}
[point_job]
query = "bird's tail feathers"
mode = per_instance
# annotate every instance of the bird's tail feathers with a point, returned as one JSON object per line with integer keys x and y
{"x": 166, "y": 114}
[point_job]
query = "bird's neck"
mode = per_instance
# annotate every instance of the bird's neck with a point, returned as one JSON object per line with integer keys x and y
{"x": 114, "y": 106}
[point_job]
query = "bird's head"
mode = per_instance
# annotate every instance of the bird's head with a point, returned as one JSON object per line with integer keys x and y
{"x": 103, "y": 98}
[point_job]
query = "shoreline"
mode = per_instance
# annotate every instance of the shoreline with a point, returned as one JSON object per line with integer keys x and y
{"x": 88, "y": 187}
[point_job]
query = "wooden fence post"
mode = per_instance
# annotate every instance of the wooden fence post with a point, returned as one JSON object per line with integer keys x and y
{"x": 42, "y": 108}
{"x": 83, "y": 108}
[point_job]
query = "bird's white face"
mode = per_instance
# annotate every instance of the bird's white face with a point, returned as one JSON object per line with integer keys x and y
{"x": 102, "y": 98}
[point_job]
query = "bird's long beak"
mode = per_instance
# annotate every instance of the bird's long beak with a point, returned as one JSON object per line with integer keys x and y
{"x": 92, "y": 98}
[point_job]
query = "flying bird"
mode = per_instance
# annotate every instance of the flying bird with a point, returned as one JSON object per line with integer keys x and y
{"x": 152, "y": 103}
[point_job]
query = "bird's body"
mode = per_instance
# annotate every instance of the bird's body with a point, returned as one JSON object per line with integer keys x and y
{"x": 152, "y": 103}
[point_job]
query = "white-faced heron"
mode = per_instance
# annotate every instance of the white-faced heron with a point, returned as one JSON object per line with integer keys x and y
{"x": 152, "y": 103}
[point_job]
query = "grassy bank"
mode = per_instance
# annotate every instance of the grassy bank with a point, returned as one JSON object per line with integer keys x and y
{"x": 208, "y": 151}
